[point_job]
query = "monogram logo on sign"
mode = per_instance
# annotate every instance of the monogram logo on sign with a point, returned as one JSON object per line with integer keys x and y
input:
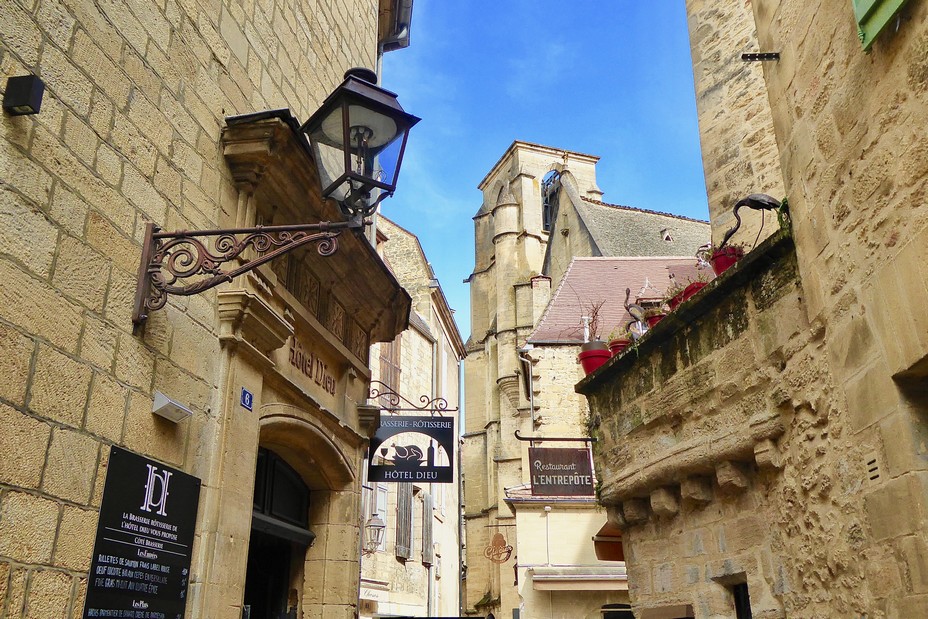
{"x": 156, "y": 491}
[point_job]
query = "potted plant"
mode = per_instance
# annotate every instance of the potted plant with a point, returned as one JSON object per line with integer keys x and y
{"x": 721, "y": 257}
{"x": 593, "y": 352}
{"x": 674, "y": 295}
{"x": 619, "y": 340}
{"x": 654, "y": 315}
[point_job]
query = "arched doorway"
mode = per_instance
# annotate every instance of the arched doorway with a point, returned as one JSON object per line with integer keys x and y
{"x": 280, "y": 535}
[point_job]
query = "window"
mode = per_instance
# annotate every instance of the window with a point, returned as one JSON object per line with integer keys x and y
{"x": 390, "y": 366}
{"x": 742, "y": 601}
{"x": 617, "y": 611}
{"x": 550, "y": 187}
{"x": 404, "y": 530}
{"x": 873, "y": 16}
{"x": 381, "y": 501}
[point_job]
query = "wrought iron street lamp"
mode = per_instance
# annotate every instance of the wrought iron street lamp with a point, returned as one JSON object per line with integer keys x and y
{"x": 373, "y": 534}
{"x": 357, "y": 140}
{"x": 358, "y": 137}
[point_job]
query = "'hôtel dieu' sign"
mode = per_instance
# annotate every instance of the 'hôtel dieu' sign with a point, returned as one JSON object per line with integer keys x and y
{"x": 141, "y": 556}
{"x": 410, "y": 449}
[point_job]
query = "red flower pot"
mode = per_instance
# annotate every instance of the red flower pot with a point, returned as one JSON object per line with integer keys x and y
{"x": 616, "y": 346}
{"x": 592, "y": 359}
{"x": 653, "y": 320}
{"x": 692, "y": 289}
{"x": 723, "y": 259}
{"x": 676, "y": 300}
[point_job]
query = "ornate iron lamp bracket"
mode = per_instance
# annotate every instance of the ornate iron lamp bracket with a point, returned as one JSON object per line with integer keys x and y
{"x": 395, "y": 403}
{"x": 171, "y": 258}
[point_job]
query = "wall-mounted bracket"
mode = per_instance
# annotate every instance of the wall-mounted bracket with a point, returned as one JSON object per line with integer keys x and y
{"x": 539, "y": 439}
{"x": 760, "y": 56}
{"x": 170, "y": 257}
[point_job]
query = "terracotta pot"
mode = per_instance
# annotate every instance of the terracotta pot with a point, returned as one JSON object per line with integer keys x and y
{"x": 653, "y": 320}
{"x": 618, "y": 345}
{"x": 676, "y": 300}
{"x": 723, "y": 259}
{"x": 692, "y": 289}
{"x": 592, "y": 359}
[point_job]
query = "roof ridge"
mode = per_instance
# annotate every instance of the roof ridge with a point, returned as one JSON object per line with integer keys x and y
{"x": 642, "y": 210}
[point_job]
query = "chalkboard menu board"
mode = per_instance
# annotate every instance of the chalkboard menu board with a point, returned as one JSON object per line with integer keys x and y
{"x": 141, "y": 557}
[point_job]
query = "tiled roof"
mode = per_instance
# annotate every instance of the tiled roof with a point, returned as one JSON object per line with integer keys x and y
{"x": 626, "y": 231}
{"x": 590, "y": 281}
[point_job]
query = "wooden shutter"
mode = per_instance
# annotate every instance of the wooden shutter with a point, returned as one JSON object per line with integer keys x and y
{"x": 427, "y": 543}
{"x": 873, "y": 16}
{"x": 390, "y": 366}
{"x": 404, "y": 521}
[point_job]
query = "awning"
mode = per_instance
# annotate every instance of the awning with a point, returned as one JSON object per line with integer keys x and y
{"x": 579, "y": 578}
{"x": 608, "y": 543}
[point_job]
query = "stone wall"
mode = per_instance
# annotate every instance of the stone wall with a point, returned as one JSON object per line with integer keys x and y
{"x": 129, "y": 132}
{"x": 739, "y": 148}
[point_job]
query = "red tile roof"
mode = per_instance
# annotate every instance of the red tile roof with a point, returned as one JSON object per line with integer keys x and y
{"x": 591, "y": 281}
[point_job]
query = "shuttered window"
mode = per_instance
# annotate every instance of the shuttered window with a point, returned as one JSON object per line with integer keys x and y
{"x": 390, "y": 366}
{"x": 428, "y": 548}
{"x": 404, "y": 521}
{"x": 873, "y": 16}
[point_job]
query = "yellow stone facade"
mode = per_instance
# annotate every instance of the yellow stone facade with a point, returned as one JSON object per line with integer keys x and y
{"x": 429, "y": 357}
{"x": 773, "y": 436}
{"x": 133, "y": 130}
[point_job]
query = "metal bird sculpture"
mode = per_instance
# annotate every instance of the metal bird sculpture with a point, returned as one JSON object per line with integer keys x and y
{"x": 755, "y": 201}
{"x": 636, "y": 327}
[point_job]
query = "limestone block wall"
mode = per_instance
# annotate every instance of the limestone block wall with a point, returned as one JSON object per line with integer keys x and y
{"x": 727, "y": 454}
{"x": 136, "y": 93}
{"x": 739, "y": 147}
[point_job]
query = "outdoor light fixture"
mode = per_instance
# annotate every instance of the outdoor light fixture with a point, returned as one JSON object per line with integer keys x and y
{"x": 163, "y": 406}
{"x": 358, "y": 137}
{"x": 357, "y": 140}
{"x": 23, "y": 95}
{"x": 373, "y": 534}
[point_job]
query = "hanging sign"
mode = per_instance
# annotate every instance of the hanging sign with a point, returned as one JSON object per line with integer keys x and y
{"x": 498, "y": 551}
{"x": 561, "y": 472}
{"x": 141, "y": 556}
{"x": 412, "y": 449}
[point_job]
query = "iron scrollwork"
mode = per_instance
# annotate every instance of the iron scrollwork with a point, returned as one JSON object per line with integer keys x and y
{"x": 169, "y": 258}
{"x": 394, "y": 400}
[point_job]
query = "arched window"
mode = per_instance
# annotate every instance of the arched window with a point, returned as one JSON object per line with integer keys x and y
{"x": 550, "y": 187}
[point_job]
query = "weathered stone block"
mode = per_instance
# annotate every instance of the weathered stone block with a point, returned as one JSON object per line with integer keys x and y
{"x": 767, "y": 455}
{"x": 871, "y": 396}
{"x": 636, "y": 510}
{"x": 26, "y": 234}
{"x": 23, "y": 442}
{"x": 27, "y": 527}
{"x": 75, "y": 538}
{"x": 49, "y": 594}
{"x": 59, "y": 387}
{"x": 882, "y": 506}
{"x": 72, "y": 459}
{"x": 664, "y": 502}
{"x": 696, "y": 490}
{"x": 731, "y": 476}
{"x": 615, "y": 517}
{"x": 59, "y": 321}
{"x": 665, "y": 578}
{"x": 15, "y": 357}
{"x": 107, "y": 407}
{"x": 81, "y": 273}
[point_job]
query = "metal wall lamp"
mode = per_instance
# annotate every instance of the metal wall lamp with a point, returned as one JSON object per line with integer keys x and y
{"x": 357, "y": 139}
{"x": 373, "y": 534}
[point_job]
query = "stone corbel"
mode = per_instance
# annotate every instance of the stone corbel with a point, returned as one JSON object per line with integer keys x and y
{"x": 767, "y": 455}
{"x": 731, "y": 477}
{"x": 244, "y": 317}
{"x": 696, "y": 490}
{"x": 509, "y": 386}
{"x": 664, "y": 502}
{"x": 637, "y": 511}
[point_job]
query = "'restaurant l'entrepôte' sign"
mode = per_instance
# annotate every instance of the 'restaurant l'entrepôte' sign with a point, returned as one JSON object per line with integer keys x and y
{"x": 561, "y": 472}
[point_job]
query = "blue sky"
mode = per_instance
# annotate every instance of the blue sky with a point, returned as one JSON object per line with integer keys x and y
{"x": 611, "y": 78}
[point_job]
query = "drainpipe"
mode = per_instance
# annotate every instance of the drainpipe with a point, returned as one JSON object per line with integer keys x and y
{"x": 529, "y": 373}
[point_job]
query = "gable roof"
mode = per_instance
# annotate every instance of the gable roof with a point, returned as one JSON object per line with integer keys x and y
{"x": 626, "y": 231}
{"x": 591, "y": 281}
